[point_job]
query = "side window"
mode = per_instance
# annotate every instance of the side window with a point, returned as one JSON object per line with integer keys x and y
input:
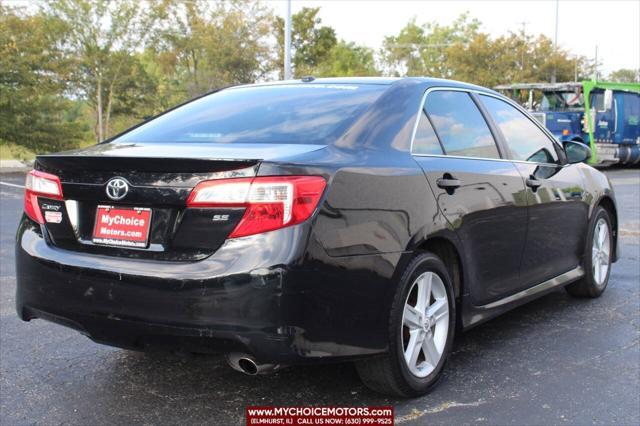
{"x": 426, "y": 141}
{"x": 597, "y": 101}
{"x": 524, "y": 139}
{"x": 630, "y": 109}
{"x": 459, "y": 124}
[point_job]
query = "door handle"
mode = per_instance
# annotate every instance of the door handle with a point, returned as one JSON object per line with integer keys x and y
{"x": 448, "y": 183}
{"x": 533, "y": 183}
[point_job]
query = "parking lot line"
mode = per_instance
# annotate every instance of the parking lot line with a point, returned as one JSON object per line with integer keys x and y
{"x": 12, "y": 185}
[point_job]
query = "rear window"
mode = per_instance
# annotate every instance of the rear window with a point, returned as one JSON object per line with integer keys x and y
{"x": 301, "y": 113}
{"x": 460, "y": 125}
{"x": 426, "y": 141}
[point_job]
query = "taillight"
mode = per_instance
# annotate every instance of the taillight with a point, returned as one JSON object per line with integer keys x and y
{"x": 271, "y": 202}
{"x": 40, "y": 184}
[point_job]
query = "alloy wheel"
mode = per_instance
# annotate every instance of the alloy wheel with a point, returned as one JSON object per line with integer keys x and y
{"x": 425, "y": 324}
{"x": 600, "y": 252}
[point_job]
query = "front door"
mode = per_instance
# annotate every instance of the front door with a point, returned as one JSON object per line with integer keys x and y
{"x": 558, "y": 216}
{"x": 557, "y": 221}
{"x": 482, "y": 196}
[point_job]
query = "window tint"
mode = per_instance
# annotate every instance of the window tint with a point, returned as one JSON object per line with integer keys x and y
{"x": 524, "y": 139}
{"x": 460, "y": 126}
{"x": 297, "y": 113}
{"x": 426, "y": 141}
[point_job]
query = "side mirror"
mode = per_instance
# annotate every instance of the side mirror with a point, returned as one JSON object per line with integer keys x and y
{"x": 577, "y": 152}
{"x": 608, "y": 99}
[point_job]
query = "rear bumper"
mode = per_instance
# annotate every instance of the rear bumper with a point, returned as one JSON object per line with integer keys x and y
{"x": 240, "y": 299}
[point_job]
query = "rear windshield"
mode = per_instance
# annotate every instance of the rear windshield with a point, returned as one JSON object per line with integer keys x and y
{"x": 301, "y": 113}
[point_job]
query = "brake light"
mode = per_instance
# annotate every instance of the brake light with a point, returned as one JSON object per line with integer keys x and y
{"x": 40, "y": 184}
{"x": 271, "y": 202}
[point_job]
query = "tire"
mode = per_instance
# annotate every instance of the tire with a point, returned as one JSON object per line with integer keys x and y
{"x": 391, "y": 374}
{"x": 597, "y": 258}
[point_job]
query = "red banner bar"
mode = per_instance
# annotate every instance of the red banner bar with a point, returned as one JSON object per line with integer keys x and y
{"x": 325, "y": 416}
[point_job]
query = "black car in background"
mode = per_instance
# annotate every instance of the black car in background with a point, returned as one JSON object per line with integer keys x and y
{"x": 360, "y": 220}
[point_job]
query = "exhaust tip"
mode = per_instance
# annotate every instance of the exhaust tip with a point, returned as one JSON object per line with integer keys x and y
{"x": 248, "y": 366}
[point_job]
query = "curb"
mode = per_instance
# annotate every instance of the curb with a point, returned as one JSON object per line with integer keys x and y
{"x": 14, "y": 166}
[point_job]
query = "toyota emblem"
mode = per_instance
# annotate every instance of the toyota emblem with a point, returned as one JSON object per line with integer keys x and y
{"x": 117, "y": 188}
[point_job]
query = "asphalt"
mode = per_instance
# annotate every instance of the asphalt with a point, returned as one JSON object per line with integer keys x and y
{"x": 557, "y": 360}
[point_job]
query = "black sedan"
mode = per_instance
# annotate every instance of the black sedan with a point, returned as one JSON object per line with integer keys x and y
{"x": 360, "y": 220}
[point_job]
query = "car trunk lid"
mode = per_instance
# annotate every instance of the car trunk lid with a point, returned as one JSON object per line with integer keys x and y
{"x": 159, "y": 179}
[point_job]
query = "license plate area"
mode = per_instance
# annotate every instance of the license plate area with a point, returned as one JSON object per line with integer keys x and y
{"x": 122, "y": 226}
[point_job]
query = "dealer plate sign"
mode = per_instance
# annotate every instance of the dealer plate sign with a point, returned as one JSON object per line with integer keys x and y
{"x": 122, "y": 226}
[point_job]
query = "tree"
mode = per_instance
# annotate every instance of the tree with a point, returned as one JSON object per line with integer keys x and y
{"x": 348, "y": 59}
{"x": 484, "y": 61}
{"x": 134, "y": 96}
{"x": 625, "y": 76}
{"x": 461, "y": 51}
{"x": 512, "y": 58}
{"x": 202, "y": 46}
{"x": 33, "y": 72}
{"x": 102, "y": 35}
{"x": 544, "y": 60}
{"x": 311, "y": 43}
{"x": 421, "y": 50}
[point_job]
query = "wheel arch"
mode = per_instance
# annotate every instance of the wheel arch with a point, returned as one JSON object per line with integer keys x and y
{"x": 609, "y": 205}
{"x": 450, "y": 255}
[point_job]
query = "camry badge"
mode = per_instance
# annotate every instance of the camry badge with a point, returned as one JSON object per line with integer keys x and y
{"x": 117, "y": 188}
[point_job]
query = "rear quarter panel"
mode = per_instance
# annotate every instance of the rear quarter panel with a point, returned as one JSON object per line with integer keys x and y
{"x": 377, "y": 209}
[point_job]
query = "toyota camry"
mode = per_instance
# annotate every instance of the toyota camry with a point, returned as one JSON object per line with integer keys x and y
{"x": 364, "y": 220}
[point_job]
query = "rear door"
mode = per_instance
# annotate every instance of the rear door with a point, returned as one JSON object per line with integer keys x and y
{"x": 481, "y": 195}
{"x": 557, "y": 220}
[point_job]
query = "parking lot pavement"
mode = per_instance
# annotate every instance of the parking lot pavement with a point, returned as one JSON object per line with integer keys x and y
{"x": 556, "y": 360}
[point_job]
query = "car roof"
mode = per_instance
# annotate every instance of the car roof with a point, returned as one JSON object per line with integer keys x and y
{"x": 426, "y": 81}
{"x": 443, "y": 82}
{"x": 567, "y": 86}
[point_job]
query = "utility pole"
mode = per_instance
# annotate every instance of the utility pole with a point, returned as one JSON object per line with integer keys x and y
{"x": 287, "y": 43}
{"x": 555, "y": 45}
{"x": 524, "y": 46}
{"x": 595, "y": 65}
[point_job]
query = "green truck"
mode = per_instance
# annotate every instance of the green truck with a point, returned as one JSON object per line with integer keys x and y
{"x": 604, "y": 115}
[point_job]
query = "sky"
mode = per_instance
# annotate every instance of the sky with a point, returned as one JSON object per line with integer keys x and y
{"x": 611, "y": 25}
